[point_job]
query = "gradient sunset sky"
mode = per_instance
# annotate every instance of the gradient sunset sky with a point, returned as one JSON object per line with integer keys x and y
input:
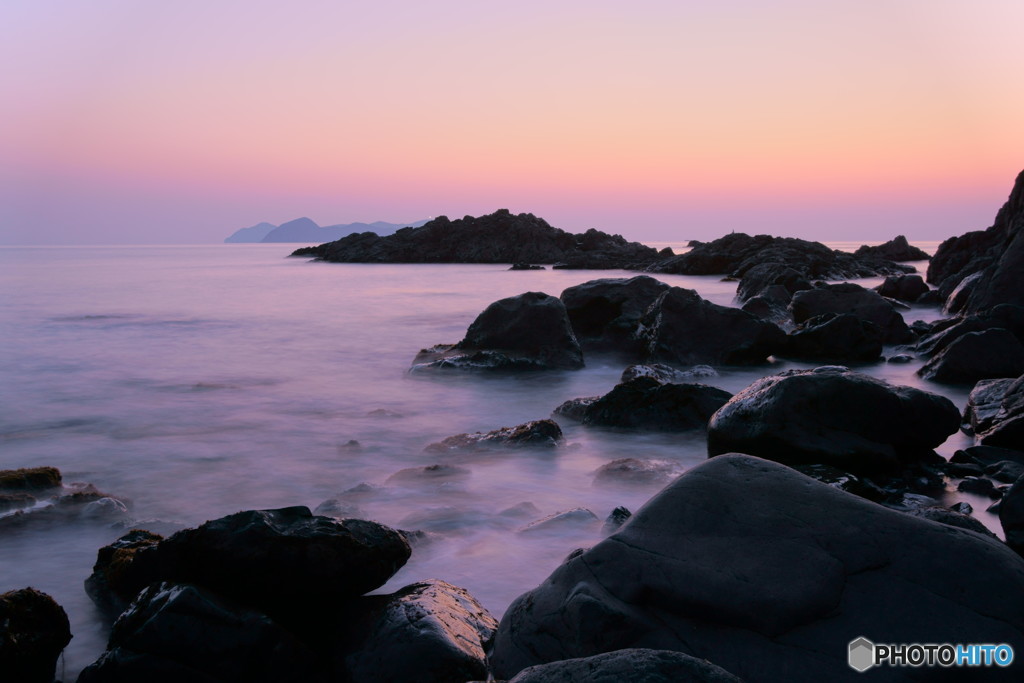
{"x": 180, "y": 122}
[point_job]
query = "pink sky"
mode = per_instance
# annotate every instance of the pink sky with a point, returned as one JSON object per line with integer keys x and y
{"x": 663, "y": 121}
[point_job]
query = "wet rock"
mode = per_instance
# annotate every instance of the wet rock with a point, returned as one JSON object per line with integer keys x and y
{"x": 645, "y": 403}
{"x": 180, "y": 632}
{"x": 641, "y": 472}
{"x": 987, "y": 455}
{"x": 576, "y": 518}
{"x": 945, "y": 332}
{"x": 666, "y": 374}
{"x": 896, "y": 249}
{"x": 1007, "y": 430}
{"x": 534, "y": 434}
{"x": 275, "y": 560}
{"x": 429, "y": 475}
{"x": 615, "y": 519}
{"x": 575, "y": 408}
{"x": 771, "y": 305}
{"x": 682, "y": 328}
{"x": 954, "y": 469}
{"x": 903, "y": 287}
{"x": 1006, "y": 471}
{"x": 962, "y": 507}
{"x": 431, "y": 632}
{"x": 78, "y": 503}
{"x": 768, "y": 277}
{"x": 530, "y": 331}
{"x": 635, "y": 665}
{"x": 735, "y": 563}
{"x": 108, "y": 585}
{"x": 836, "y": 417}
{"x": 1011, "y": 516}
{"x": 847, "y": 297}
{"x": 500, "y": 237}
{"x": 978, "y": 485}
{"x": 952, "y": 518}
{"x": 984, "y": 404}
{"x": 30, "y": 479}
{"x": 605, "y": 313}
{"x": 837, "y": 478}
{"x": 34, "y": 630}
{"x": 992, "y": 354}
{"x": 525, "y": 266}
{"x": 835, "y": 338}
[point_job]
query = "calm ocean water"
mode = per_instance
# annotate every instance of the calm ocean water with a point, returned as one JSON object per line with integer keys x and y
{"x": 197, "y": 381}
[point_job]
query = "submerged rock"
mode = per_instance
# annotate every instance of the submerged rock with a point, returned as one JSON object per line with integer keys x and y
{"x": 633, "y": 665}
{"x": 682, "y": 328}
{"x": 735, "y": 563}
{"x": 34, "y": 630}
{"x": 533, "y": 434}
{"x": 530, "y": 331}
{"x": 833, "y": 416}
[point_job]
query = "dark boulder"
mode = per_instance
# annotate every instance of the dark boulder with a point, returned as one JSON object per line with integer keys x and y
{"x": 604, "y": 313}
{"x": 646, "y": 403}
{"x": 179, "y": 632}
{"x": 993, "y": 260}
{"x": 34, "y": 630}
{"x": 736, "y": 563}
{"x": 835, "y": 338}
{"x": 771, "y": 305}
{"x": 528, "y": 331}
{"x": 534, "y": 434}
{"x": 903, "y": 287}
{"x": 635, "y": 665}
{"x": 847, "y": 297}
{"x": 30, "y": 479}
{"x": 987, "y": 455}
{"x": 833, "y": 416}
{"x": 1007, "y": 430}
{"x": 947, "y": 331}
{"x": 107, "y": 584}
{"x": 682, "y": 328}
{"x": 575, "y": 408}
{"x": 500, "y": 237}
{"x": 1011, "y": 516}
{"x": 975, "y": 356}
{"x": 757, "y": 279}
{"x": 274, "y": 560}
{"x": 984, "y": 403}
{"x": 896, "y": 249}
{"x": 432, "y": 632}
{"x": 615, "y": 519}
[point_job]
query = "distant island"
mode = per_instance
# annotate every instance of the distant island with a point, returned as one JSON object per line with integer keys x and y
{"x": 306, "y": 230}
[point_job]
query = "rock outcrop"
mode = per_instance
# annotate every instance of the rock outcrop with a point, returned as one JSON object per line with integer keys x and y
{"x": 833, "y": 416}
{"x": 500, "y": 237}
{"x": 605, "y": 313}
{"x": 768, "y": 574}
{"x": 530, "y": 331}
{"x": 990, "y": 354}
{"x": 647, "y": 404}
{"x": 896, "y": 249}
{"x": 847, "y": 297}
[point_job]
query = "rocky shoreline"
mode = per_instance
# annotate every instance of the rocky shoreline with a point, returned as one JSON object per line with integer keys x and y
{"x": 814, "y": 521}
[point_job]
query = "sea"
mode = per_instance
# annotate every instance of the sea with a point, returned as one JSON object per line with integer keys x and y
{"x": 196, "y": 381}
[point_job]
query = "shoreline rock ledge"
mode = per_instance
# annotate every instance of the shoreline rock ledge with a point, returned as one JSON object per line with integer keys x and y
{"x": 769, "y": 574}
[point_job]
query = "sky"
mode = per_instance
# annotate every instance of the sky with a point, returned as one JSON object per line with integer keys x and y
{"x": 144, "y": 122}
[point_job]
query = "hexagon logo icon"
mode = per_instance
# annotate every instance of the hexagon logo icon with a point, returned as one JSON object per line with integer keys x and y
{"x": 862, "y": 654}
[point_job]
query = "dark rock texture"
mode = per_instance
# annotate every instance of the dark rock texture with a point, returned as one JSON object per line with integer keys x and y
{"x": 34, "y": 630}
{"x": 1007, "y": 430}
{"x": 736, "y": 563}
{"x": 1011, "y": 516}
{"x": 432, "y": 632}
{"x": 30, "y": 479}
{"x": 835, "y": 338}
{"x": 576, "y": 518}
{"x": 945, "y": 332}
{"x": 994, "y": 258}
{"x": 180, "y": 632}
{"x": 273, "y": 560}
{"x": 682, "y": 328}
{"x": 975, "y": 356}
{"x": 642, "y": 472}
{"x": 896, "y": 249}
{"x": 634, "y": 665}
{"x": 952, "y": 518}
{"x": 847, "y": 297}
{"x": 605, "y": 313}
{"x": 836, "y": 417}
{"x": 524, "y": 332}
{"x": 109, "y": 585}
{"x": 500, "y": 237}
{"x": 903, "y": 287}
{"x": 760, "y": 278}
{"x": 533, "y": 434}
{"x": 984, "y": 403}
{"x": 646, "y": 403}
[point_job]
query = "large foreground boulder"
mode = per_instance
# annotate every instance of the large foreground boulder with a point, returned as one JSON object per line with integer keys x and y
{"x": 848, "y": 297}
{"x": 34, "y": 630}
{"x": 633, "y": 665}
{"x": 278, "y": 561}
{"x": 605, "y": 313}
{"x": 682, "y": 328}
{"x": 646, "y": 403}
{"x": 836, "y": 417}
{"x": 530, "y": 331}
{"x": 769, "y": 575}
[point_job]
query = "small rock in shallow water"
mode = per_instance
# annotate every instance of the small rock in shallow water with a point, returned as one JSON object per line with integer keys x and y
{"x": 978, "y": 485}
{"x": 575, "y": 518}
{"x": 642, "y": 472}
{"x": 615, "y": 519}
{"x": 538, "y": 433}
{"x": 30, "y": 478}
{"x": 964, "y": 508}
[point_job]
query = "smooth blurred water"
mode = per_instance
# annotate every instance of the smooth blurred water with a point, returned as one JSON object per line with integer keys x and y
{"x": 202, "y": 380}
